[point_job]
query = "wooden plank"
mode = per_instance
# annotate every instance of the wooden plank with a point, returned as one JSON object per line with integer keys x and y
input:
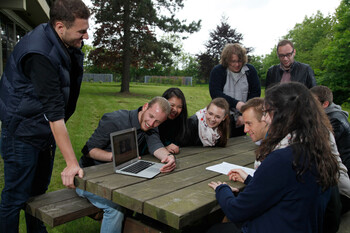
{"x": 104, "y": 185}
{"x": 192, "y": 150}
{"x": 186, "y": 206}
{"x": 55, "y": 208}
{"x": 65, "y": 211}
{"x": 48, "y": 198}
{"x": 196, "y": 201}
{"x": 93, "y": 172}
{"x": 133, "y": 196}
{"x": 238, "y": 140}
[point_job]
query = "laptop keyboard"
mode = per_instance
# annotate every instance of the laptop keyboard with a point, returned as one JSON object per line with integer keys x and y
{"x": 137, "y": 167}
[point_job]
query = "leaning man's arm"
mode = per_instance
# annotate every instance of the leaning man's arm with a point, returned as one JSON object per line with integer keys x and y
{"x": 47, "y": 87}
{"x": 60, "y": 133}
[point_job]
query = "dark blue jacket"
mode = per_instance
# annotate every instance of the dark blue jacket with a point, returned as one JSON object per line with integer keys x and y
{"x": 21, "y": 112}
{"x": 274, "y": 200}
{"x": 217, "y": 82}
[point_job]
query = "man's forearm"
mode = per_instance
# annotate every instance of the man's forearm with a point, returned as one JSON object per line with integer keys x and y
{"x": 100, "y": 155}
{"x": 60, "y": 133}
{"x": 161, "y": 153}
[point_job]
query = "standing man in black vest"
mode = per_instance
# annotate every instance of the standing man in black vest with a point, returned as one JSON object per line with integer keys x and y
{"x": 289, "y": 69}
{"x": 38, "y": 93}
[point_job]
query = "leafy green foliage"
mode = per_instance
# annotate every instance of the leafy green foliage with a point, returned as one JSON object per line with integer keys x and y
{"x": 310, "y": 37}
{"x": 219, "y": 37}
{"x": 337, "y": 54}
{"x": 323, "y": 42}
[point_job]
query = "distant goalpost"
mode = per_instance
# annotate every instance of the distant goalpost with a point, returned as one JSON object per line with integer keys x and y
{"x": 174, "y": 80}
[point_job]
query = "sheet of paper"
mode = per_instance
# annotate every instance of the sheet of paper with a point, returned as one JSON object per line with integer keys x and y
{"x": 224, "y": 168}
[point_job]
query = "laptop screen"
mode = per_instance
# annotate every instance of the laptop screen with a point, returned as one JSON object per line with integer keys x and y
{"x": 124, "y": 146}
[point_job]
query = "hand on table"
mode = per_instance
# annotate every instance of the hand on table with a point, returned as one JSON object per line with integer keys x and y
{"x": 170, "y": 164}
{"x": 214, "y": 185}
{"x": 67, "y": 175}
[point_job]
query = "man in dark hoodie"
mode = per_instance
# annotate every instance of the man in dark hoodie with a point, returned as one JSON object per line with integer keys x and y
{"x": 341, "y": 128}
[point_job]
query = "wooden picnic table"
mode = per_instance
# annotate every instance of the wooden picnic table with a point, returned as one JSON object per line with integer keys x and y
{"x": 177, "y": 199}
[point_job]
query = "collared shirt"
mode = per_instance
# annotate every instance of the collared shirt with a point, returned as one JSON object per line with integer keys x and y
{"x": 120, "y": 120}
{"x": 286, "y": 77}
{"x": 237, "y": 87}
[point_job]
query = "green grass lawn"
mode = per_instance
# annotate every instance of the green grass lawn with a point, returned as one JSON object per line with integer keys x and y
{"x": 95, "y": 100}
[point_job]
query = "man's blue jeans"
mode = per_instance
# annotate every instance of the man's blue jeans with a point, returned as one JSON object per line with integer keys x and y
{"x": 27, "y": 172}
{"x": 112, "y": 217}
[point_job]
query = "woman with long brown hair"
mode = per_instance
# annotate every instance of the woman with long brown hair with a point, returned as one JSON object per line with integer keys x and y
{"x": 209, "y": 126}
{"x": 290, "y": 190}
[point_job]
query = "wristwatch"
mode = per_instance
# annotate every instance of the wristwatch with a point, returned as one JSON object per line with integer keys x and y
{"x": 172, "y": 155}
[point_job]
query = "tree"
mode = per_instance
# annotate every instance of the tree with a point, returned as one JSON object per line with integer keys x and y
{"x": 219, "y": 37}
{"x": 126, "y": 36}
{"x": 310, "y": 37}
{"x": 268, "y": 61}
{"x": 337, "y": 62}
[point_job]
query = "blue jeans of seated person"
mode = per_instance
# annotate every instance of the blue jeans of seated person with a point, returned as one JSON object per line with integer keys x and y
{"x": 112, "y": 217}
{"x": 27, "y": 172}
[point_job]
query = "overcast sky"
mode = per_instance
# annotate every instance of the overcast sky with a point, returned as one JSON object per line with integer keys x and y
{"x": 262, "y": 22}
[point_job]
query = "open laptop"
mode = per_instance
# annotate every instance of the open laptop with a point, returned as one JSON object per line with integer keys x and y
{"x": 126, "y": 155}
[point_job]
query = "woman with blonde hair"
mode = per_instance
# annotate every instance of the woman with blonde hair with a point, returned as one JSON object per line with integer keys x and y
{"x": 236, "y": 81}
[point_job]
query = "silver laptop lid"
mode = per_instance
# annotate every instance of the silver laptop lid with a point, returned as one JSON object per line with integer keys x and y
{"x": 124, "y": 147}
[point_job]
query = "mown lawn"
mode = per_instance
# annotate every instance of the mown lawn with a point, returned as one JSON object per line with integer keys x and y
{"x": 95, "y": 100}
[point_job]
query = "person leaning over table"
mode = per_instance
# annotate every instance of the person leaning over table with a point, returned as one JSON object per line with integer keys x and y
{"x": 289, "y": 70}
{"x": 38, "y": 94}
{"x": 97, "y": 150}
{"x": 252, "y": 112}
{"x": 209, "y": 126}
{"x": 173, "y": 129}
{"x": 291, "y": 188}
{"x": 236, "y": 81}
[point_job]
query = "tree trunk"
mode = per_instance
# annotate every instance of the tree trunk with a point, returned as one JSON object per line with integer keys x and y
{"x": 126, "y": 50}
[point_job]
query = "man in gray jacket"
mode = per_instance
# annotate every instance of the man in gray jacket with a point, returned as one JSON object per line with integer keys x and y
{"x": 341, "y": 128}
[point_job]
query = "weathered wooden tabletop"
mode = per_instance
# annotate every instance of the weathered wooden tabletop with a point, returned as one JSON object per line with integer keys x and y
{"x": 176, "y": 199}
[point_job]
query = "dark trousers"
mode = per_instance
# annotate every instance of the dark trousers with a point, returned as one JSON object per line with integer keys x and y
{"x": 227, "y": 227}
{"x": 235, "y": 132}
{"x": 332, "y": 215}
{"x": 27, "y": 172}
{"x": 345, "y": 202}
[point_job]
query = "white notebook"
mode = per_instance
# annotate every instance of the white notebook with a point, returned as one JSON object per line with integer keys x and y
{"x": 224, "y": 168}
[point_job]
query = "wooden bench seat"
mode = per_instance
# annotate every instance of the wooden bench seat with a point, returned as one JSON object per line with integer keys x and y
{"x": 58, "y": 207}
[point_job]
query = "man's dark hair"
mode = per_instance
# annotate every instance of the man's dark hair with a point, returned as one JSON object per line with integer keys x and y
{"x": 67, "y": 11}
{"x": 323, "y": 93}
{"x": 285, "y": 42}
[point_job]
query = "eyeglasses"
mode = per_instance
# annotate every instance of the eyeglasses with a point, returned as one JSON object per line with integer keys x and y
{"x": 234, "y": 62}
{"x": 264, "y": 111}
{"x": 288, "y": 55}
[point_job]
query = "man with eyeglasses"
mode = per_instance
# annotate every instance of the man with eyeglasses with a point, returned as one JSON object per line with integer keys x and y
{"x": 288, "y": 69}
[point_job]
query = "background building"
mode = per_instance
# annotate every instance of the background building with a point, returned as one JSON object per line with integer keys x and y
{"x": 17, "y": 17}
